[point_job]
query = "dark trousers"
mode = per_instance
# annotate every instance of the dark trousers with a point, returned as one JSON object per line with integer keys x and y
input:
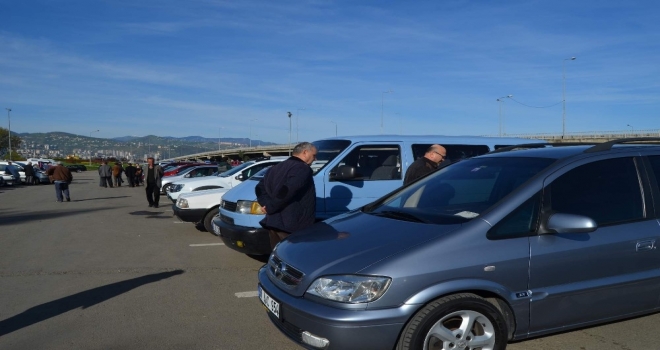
{"x": 276, "y": 237}
{"x": 106, "y": 181}
{"x": 130, "y": 180}
{"x": 153, "y": 193}
{"x": 29, "y": 180}
{"x": 61, "y": 188}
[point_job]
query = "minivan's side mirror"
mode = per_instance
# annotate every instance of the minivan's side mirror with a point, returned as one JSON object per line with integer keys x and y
{"x": 240, "y": 177}
{"x": 343, "y": 172}
{"x": 571, "y": 223}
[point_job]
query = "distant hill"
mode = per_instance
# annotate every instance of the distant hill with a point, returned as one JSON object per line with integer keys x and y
{"x": 67, "y": 143}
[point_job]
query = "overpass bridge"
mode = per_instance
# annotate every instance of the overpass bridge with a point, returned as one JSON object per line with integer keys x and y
{"x": 284, "y": 150}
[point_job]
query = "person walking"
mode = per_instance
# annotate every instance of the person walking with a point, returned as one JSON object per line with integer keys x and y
{"x": 29, "y": 174}
{"x": 117, "y": 170}
{"x": 130, "y": 175}
{"x": 138, "y": 174}
{"x": 434, "y": 155}
{"x": 62, "y": 177}
{"x": 153, "y": 180}
{"x": 287, "y": 194}
{"x": 105, "y": 172}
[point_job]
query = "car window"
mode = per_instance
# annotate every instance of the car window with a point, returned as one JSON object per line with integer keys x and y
{"x": 521, "y": 222}
{"x": 235, "y": 170}
{"x": 373, "y": 162}
{"x": 607, "y": 191}
{"x": 455, "y": 153}
{"x": 462, "y": 191}
{"x": 655, "y": 166}
{"x": 327, "y": 150}
{"x": 247, "y": 173}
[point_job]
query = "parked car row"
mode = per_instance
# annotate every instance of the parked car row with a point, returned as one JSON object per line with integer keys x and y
{"x": 10, "y": 180}
{"x": 504, "y": 244}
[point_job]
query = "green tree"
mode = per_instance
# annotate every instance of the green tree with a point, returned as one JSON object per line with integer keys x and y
{"x": 4, "y": 144}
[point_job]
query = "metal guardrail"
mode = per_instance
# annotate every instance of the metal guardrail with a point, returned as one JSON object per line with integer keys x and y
{"x": 590, "y": 135}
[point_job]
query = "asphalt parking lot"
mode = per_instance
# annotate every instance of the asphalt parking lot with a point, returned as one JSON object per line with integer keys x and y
{"x": 105, "y": 271}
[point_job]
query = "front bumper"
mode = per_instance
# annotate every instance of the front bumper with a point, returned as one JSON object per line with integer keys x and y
{"x": 189, "y": 215}
{"x": 247, "y": 240}
{"x": 345, "y": 329}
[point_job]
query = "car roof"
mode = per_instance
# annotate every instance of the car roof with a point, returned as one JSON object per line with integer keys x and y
{"x": 437, "y": 138}
{"x": 558, "y": 151}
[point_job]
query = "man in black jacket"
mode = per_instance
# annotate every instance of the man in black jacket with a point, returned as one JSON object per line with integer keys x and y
{"x": 287, "y": 195}
{"x": 434, "y": 155}
{"x": 130, "y": 174}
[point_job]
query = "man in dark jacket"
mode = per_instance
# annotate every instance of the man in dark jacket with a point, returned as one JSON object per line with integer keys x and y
{"x": 130, "y": 174}
{"x": 154, "y": 174}
{"x": 29, "y": 174}
{"x": 62, "y": 177}
{"x": 287, "y": 195}
{"x": 434, "y": 155}
{"x": 105, "y": 173}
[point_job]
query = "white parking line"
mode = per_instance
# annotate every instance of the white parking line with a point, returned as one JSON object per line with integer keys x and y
{"x": 247, "y": 294}
{"x": 206, "y": 244}
{"x": 179, "y": 222}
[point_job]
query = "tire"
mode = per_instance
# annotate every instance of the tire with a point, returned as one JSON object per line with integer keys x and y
{"x": 164, "y": 188}
{"x": 486, "y": 328}
{"x": 208, "y": 219}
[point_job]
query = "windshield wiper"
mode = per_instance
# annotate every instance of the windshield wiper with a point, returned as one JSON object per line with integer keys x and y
{"x": 400, "y": 216}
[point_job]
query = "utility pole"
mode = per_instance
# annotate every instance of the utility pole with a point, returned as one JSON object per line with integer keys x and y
{"x": 289, "y": 113}
{"x": 563, "y": 99}
{"x": 9, "y": 121}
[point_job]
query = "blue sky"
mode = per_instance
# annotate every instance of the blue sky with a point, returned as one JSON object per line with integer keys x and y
{"x": 234, "y": 68}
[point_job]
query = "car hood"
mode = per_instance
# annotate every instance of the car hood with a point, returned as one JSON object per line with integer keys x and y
{"x": 216, "y": 192}
{"x": 242, "y": 192}
{"x": 206, "y": 180}
{"x": 349, "y": 243}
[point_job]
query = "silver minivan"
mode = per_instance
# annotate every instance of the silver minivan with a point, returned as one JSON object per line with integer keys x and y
{"x": 500, "y": 247}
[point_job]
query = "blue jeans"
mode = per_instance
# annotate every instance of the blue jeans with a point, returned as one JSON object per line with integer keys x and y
{"x": 61, "y": 187}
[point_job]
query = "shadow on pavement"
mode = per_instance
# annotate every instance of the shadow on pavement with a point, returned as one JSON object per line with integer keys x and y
{"x": 95, "y": 199}
{"x": 83, "y": 299}
{"x": 144, "y": 212}
{"x": 12, "y": 218}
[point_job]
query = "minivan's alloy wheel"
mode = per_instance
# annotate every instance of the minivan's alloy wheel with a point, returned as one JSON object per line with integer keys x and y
{"x": 455, "y": 322}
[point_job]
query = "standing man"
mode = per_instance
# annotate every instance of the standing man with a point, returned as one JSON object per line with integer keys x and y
{"x": 153, "y": 180}
{"x": 29, "y": 174}
{"x": 130, "y": 174}
{"x": 117, "y": 170}
{"x": 62, "y": 177}
{"x": 434, "y": 155}
{"x": 287, "y": 194}
{"x": 105, "y": 172}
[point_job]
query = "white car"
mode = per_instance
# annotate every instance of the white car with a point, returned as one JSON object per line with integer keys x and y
{"x": 227, "y": 179}
{"x": 190, "y": 173}
{"x": 199, "y": 207}
{"x": 21, "y": 173}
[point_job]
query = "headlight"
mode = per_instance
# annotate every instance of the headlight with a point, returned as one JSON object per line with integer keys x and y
{"x": 249, "y": 207}
{"x": 182, "y": 203}
{"x": 350, "y": 288}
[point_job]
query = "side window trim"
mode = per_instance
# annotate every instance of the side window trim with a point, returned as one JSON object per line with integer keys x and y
{"x": 652, "y": 181}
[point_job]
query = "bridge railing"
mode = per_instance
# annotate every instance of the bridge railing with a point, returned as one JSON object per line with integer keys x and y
{"x": 590, "y": 135}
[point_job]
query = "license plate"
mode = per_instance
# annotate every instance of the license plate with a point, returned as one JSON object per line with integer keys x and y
{"x": 216, "y": 229}
{"x": 270, "y": 304}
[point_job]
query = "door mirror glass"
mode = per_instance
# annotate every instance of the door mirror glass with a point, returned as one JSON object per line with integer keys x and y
{"x": 571, "y": 223}
{"x": 343, "y": 172}
{"x": 187, "y": 175}
{"x": 240, "y": 177}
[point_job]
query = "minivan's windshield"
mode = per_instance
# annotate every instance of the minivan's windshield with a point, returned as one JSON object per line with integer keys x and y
{"x": 327, "y": 151}
{"x": 461, "y": 191}
{"x": 260, "y": 174}
{"x": 233, "y": 171}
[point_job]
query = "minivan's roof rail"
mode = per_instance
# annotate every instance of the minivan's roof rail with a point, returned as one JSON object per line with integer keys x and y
{"x": 605, "y": 146}
{"x": 538, "y": 145}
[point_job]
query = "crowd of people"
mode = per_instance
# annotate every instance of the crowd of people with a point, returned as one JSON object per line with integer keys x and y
{"x": 113, "y": 176}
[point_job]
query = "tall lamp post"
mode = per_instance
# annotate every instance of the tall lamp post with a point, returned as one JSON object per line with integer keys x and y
{"x": 632, "y": 131}
{"x": 297, "y": 118}
{"x": 9, "y": 124}
{"x": 90, "y": 147}
{"x": 252, "y": 120}
{"x": 563, "y": 99}
{"x": 289, "y": 114}
{"x": 382, "y": 104}
{"x": 500, "y": 100}
{"x": 335, "y": 127}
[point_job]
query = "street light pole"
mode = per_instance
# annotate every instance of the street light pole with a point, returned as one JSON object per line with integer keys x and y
{"x": 335, "y": 127}
{"x": 500, "y": 100}
{"x": 90, "y": 147}
{"x": 563, "y": 99}
{"x": 297, "y": 118}
{"x": 382, "y": 104}
{"x": 289, "y": 114}
{"x": 252, "y": 120}
{"x": 9, "y": 121}
{"x": 632, "y": 131}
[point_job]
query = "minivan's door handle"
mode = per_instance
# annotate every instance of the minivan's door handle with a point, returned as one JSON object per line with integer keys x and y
{"x": 645, "y": 245}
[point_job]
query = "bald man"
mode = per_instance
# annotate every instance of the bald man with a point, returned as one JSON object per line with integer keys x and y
{"x": 434, "y": 155}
